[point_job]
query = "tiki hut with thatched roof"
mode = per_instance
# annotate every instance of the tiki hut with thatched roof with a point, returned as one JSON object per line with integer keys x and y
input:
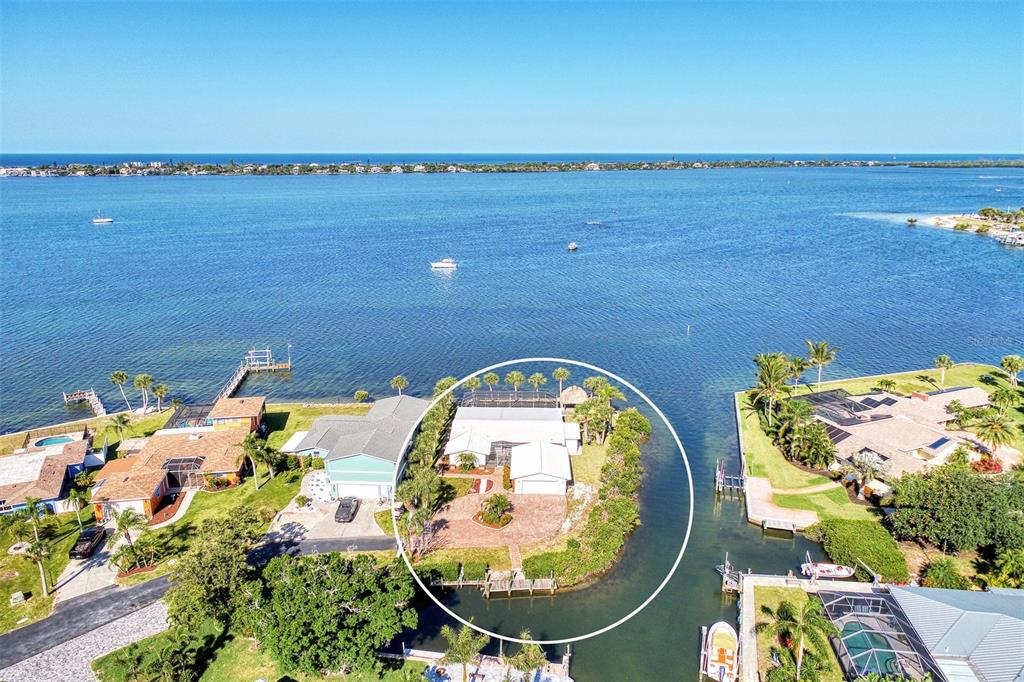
{"x": 572, "y": 396}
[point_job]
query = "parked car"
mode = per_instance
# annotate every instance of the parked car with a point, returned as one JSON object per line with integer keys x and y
{"x": 87, "y": 542}
{"x": 347, "y": 509}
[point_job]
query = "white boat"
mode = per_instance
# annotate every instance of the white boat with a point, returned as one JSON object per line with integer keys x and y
{"x": 718, "y": 657}
{"x": 821, "y": 570}
{"x": 594, "y": 222}
{"x": 99, "y": 220}
{"x": 573, "y": 246}
{"x": 444, "y": 264}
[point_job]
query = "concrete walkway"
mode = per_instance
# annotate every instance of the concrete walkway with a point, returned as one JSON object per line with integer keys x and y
{"x": 761, "y": 507}
{"x": 179, "y": 512}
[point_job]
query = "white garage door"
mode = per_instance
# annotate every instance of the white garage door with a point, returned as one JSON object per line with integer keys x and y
{"x": 540, "y": 487}
{"x": 364, "y": 491}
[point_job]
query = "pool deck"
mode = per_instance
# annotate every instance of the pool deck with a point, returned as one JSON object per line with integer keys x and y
{"x": 748, "y": 612}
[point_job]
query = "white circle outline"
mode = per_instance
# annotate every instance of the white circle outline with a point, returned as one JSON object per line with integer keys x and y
{"x": 569, "y": 640}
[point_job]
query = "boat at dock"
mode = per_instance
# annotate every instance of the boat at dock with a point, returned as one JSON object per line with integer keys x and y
{"x": 821, "y": 570}
{"x": 444, "y": 264}
{"x": 718, "y": 655}
{"x": 573, "y": 246}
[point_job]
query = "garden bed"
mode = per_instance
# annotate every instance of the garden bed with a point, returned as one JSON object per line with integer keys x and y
{"x": 136, "y": 571}
{"x": 504, "y": 521}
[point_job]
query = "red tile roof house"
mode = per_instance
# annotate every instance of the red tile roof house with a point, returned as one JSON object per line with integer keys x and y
{"x": 171, "y": 460}
{"x": 45, "y": 470}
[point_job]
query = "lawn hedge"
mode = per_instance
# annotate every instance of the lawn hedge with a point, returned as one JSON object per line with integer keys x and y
{"x": 846, "y": 541}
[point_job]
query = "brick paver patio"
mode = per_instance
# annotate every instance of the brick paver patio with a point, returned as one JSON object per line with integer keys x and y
{"x": 534, "y": 518}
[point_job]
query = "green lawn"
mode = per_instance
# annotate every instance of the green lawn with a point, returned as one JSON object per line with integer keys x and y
{"x": 772, "y": 597}
{"x": 271, "y": 498}
{"x": 763, "y": 458}
{"x": 496, "y": 558}
{"x": 586, "y": 466}
{"x": 18, "y": 574}
{"x": 832, "y": 503}
{"x": 284, "y": 419}
{"x": 461, "y": 486}
{"x": 236, "y": 659}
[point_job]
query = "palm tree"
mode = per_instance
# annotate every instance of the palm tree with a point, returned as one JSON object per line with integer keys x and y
{"x": 492, "y": 380}
{"x": 942, "y": 363}
{"x": 127, "y": 522}
{"x": 421, "y": 489}
{"x": 252, "y": 450}
{"x": 473, "y": 383}
{"x": 561, "y": 375}
{"x": 1004, "y": 398}
{"x": 595, "y": 385}
{"x": 797, "y": 366}
{"x": 867, "y": 465}
{"x": 398, "y": 383}
{"x": 464, "y": 645}
{"x": 887, "y": 385}
{"x": 143, "y": 382}
{"x": 995, "y": 431}
{"x": 1013, "y": 364}
{"x": 771, "y": 381}
{"x": 120, "y": 422}
{"x": 120, "y": 378}
{"x": 515, "y": 379}
{"x": 820, "y": 354}
{"x": 1010, "y": 568}
{"x": 537, "y": 380}
{"x": 37, "y": 552}
{"x": 78, "y": 498}
{"x": 792, "y": 425}
{"x": 531, "y": 657}
{"x": 33, "y": 511}
{"x": 160, "y": 391}
{"x": 806, "y": 627}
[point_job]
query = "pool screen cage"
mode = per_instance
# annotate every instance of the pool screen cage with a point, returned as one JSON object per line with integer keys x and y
{"x": 183, "y": 472}
{"x": 875, "y": 636}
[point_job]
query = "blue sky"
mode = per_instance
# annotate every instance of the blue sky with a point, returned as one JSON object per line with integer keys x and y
{"x": 494, "y": 77}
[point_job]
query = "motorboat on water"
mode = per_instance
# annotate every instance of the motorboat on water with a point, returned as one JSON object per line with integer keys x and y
{"x": 444, "y": 264}
{"x": 101, "y": 220}
{"x": 718, "y": 656}
{"x": 822, "y": 570}
{"x": 594, "y": 222}
{"x": 573, "y": 246}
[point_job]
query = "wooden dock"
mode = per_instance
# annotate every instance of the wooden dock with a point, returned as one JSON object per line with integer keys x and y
{"x": 86, "y": 396}
{"x": 778, "y": 524}
{"x": 256, "y": 360}
{"x": 504, "y": 584}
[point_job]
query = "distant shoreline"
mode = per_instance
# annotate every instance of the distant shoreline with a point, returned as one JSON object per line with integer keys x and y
{"x": 973, "y": 222}
{"x": 159, "y": 168}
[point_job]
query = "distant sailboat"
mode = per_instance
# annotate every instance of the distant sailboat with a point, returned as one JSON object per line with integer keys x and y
{"x": 100, "y": 220}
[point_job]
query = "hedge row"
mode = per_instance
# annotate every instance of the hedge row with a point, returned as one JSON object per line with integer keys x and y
{"x": 431, "y": 571}
{"x": 614, "y": 516}
{"x": 846, "y": 541}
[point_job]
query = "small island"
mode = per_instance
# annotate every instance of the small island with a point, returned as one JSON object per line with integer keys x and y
{"x": 1007, "y": 227}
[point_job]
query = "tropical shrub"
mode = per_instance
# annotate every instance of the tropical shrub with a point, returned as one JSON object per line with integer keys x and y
{"x": 942, "y": 572}
{"x": 846, "y": 541}
{"x": 958, "y": 509}
{"x": 506, "y": 477}
{"x": 495, "y": 511}
{"x": 301, "y": 501}
{"x": 360, "y": 396}
{"x": 467, "y": 461}
{"x": 987, "y": 465}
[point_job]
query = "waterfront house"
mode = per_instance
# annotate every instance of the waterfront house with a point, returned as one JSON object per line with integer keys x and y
{"x": 360, "y": 451}
{"x": 171, "y": 460}
{"x": 491, "y": 434}
{"x": 539, "y": 468}
{"x": 907, "y": 433}
{"x": 954, "y": 635}
{"x": 245, "y": 411}
{"x": 45, "y": 469}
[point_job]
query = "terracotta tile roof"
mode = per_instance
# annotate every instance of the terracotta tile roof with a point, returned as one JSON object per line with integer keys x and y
{"x": 220, "y": 449}
{"x": 226, "y": 408}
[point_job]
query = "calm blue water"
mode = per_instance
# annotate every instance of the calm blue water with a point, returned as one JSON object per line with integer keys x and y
{"x": 411, "y": 157}
{"x": 195, "y": 270}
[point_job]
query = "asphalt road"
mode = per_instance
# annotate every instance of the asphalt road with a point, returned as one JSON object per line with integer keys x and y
{"x": 79, "y": 615}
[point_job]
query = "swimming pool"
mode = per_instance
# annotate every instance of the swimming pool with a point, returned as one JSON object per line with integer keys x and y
{"x": 53, "y": 440}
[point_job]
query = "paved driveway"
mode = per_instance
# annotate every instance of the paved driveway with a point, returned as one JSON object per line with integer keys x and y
{"x": 534, "y": 518}
{"x": 82, "y": 576}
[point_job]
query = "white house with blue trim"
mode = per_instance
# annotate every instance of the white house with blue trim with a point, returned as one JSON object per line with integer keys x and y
{"x": 360, "y": 451}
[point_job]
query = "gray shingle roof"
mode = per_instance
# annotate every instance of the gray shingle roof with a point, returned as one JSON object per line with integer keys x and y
{"x": 985, "y": 628}
{"x": 379, "y": 433}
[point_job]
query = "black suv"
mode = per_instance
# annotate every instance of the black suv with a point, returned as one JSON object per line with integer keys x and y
{"x": 87, "y": 542}
{"x": 347, "y": 509}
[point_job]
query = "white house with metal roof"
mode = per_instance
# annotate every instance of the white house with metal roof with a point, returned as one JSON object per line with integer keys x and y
{"x": 540, "y": 469}
{"x": 360, "y": 451}
{"x": 489, "y": 433}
